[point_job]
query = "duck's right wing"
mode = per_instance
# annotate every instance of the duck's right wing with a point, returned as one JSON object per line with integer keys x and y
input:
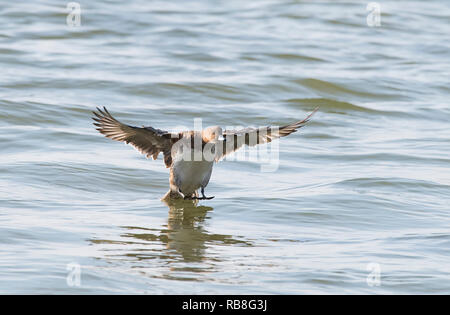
{"x": 147, "y": 140}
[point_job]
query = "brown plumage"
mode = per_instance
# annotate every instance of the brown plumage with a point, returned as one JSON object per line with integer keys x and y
{"x": 147, "y": 140}
{"x": 235, "y": 139}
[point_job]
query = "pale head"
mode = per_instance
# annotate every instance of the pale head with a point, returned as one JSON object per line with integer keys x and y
{"x": 213, "y": 133}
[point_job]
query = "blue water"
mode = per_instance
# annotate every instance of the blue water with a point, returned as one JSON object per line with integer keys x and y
{"x": 358, "y": 201}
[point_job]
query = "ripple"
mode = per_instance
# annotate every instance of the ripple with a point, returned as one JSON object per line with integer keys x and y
{"x": 404, "y": 184}
{"x": 341, "y": 89}
{"x": 294, "y": 57}
{"x": 329, "y": 104}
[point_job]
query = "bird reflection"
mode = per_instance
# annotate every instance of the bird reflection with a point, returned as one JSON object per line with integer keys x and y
{"x": 184, "y": 238}
{"x": 186, "y": 234}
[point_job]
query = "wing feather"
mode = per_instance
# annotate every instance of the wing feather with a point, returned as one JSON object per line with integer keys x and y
{"x": 235, "y": 139}
{"x": 147, "y": 140}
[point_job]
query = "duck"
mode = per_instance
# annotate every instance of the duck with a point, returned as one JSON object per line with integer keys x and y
{"x": 190, "y": 155}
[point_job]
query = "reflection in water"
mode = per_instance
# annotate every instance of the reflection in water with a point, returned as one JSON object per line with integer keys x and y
{"x": 185, "y": 225}
{"x": 184, "y": 238}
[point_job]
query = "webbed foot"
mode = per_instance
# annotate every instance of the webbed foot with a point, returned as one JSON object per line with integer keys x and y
{"x": 204, "y": 198}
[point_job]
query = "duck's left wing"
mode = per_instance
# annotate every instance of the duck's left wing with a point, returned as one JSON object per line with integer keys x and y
{"x": 235, "y": 139}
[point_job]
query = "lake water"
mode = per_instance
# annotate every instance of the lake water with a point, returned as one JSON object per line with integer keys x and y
{"x": 358, "y": 203}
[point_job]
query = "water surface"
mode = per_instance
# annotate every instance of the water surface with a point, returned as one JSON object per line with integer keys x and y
{"x": 366, "y": 182}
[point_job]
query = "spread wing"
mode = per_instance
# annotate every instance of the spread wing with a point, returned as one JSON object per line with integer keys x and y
{"x": 235, "y": 139}
{"x": 147, "y": 140}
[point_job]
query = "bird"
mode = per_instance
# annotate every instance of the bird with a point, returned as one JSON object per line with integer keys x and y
{"x": 190, "y": 155}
